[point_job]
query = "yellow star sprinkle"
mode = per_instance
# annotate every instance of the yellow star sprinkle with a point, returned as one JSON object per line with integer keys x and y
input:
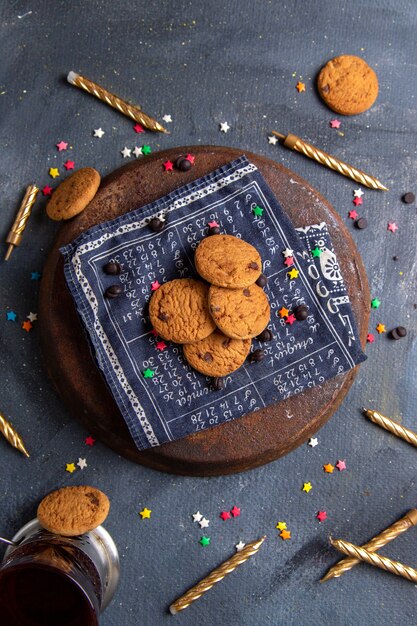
{"x": 329, "y": 469}
{"x": 381, "y": 328}
{"x": 281, "y": 526}
{"x": 300, "y": 86}
{"x": 70, "y": 467}
{"x": 307, "y": 487}
{"x": 286, "y": 534}
{"x": 283, "y": 312}
{"x": 53, "y": 172}
{"x": 146, "y": 513}
{"x": 293, "y": 273}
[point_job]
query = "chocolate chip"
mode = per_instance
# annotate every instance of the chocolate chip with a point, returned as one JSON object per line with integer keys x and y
{"x": 226, "y": 343}
{"x": 214, "y": 230}
{"x": 246, "y": 293}
{"x": 262, "y": 281}
{"x": 325, "y": 89}
{"x": 156, "y": 225}
{"x": 266, "y": 335}
{"x": 208, "y": 357}
{"x": 361, "y": 223}
{"x": 399, "y": 332}
{"x": 408, "y": 197}
{"x": 183, "y": 164}
{"x": 301, "y": 312}
{"x": 112, "y": 268}
{"x": 256, "y": 356}
{"x": 395, "y": 258}
{"x": 218, "y": 384}
{"x": 253, "y": 266}
{"x": 215, "y": 309}
{"x": 113, "y": 291}
{"x": 163, "y": 317}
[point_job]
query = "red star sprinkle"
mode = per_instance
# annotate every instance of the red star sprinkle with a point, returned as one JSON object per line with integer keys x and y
{"x": 69, "y": 165}
{"x": 353, "y": 214}
{"x": 341, "y": 465}
{"x": 138, "y": 128}
{"x": 62, "y": 146}
{"x": 213, "y": 224}
{"x": 392, "y": 226}
{"x": 225, "y": 515}
{"x": 321, "y": 516}
{"x": 335, "y": 123}
{"x": 370, "y": 338}
{"x": 190, "y": 158}
{"x": 168, "y": 165}
{"x": 290, "y": 319}
{"x": 235, "y": 511}
{"x": 161, "y": 345}
{"x": 155, "y": 285}
{"x": 27, "y": 326}
{"x": 357, "y": 201}
{"x": 47, "y": 190}
{"x": 289, "y": 261}
{"x": 90, "y": 441}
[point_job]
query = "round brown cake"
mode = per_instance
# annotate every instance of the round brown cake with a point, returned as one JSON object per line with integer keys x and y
{"x": 244, "y": 443}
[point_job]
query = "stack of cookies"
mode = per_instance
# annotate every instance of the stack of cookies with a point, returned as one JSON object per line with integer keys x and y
{"x": 215, "y": 320}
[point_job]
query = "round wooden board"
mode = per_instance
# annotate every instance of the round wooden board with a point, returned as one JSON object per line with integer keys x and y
{"x": 247, "y": 442}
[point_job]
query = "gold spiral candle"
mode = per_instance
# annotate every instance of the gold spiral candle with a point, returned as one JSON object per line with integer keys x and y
{"x": 374, "y": 544}
{"x": 393, "y": 427}
{"x": 295, "y": 143}
{"x": 130, "y": 110}
{"x": 216, "y": 576}
{"x": 12, "y": 435}
{"x": 383, "y": 562}
{"x": 15, "y": 234}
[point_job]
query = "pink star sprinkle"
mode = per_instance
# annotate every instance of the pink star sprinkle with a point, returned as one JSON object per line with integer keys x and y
{"x": 289, "y": 260}
{"x": 235, "y": 511}
{"x": 321, "y": 516}
{"x": 47, "y": 190}
{"x": 69, "y": 165}
{"x": 357, "y": 201}
{"x": 353, "y": 214}
{"x": 161, "y": 345}
{"x": 335, "y": 123}
{"x": 155, "y": 285}
{"x": 225, "y": 515}
{"x": 168, "y": 165}
{"x": 190, "y": 158}
{"x": 370, "y": 338}
{"x": 392, "y": 226}
{"x": 62, "y": 146}
{"x": 90, "y": 441}
{"x": 138, "y": 128}
{"x": 290, "y": 319}
{"x": 213, "y": 224}
{"x": 341, "y": 465}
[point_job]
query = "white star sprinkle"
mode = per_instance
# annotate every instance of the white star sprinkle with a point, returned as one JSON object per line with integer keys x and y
{"x": 98, "y": 132}
{"x": 126, "y": 152}
{"x": 224, "y": 127}
{"x": 358, "y": 193}
{"x": 204, "y": 523}
{"x": 137, "y": 151}
{"x": 272, "y": 139}
{"x": 197, "y": 517}
{"x": 82, "y": 463}
{"x": 313, "y": 442}
{"x": 239, "y": 546}
{"x": 167, "y": 119}
{"x": 33, "y": 317}
{"x": 287, "y": 252}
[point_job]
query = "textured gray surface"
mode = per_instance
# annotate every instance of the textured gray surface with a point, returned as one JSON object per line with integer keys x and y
{"x": 204, "y": 64}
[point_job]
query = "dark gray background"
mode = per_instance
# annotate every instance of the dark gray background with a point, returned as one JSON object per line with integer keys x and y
{"x": 205, "y": 63}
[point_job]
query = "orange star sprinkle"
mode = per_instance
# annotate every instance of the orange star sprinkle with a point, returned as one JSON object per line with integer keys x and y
{"x": 27, "y": 326}
{"x": 285, "y": 534}
{"x": 329, "y": 469}
{"x": 283, "y": 312}
{"x": 300, "y": 87}
{"x": 381, "y": 328}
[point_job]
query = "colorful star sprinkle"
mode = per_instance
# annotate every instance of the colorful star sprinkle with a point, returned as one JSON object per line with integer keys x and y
{"x": 321, "y": 516}
{"x": 98, "y": 132}
{"x": 35, "y": 275}
{"x": 53, "y": 172}
{"x": 381, "y": 328}
{"x": 190, "y": 158}
{"x": 285, "y": 534}
{"x": 82, "y": 463}
{"x": 370, "y": 338}
{"x": 90, "y": 441}
{"x": 155, "y": 285}
{"x": 148, "y": 373}
{"x": 341, "y": 465}
{"x": 137, "y": 151}
{"x": 290, "y": 319}
{"x": 197, "y": 517}
{"x": 167, "y": 119}
{"x": 375, "y": 303}
{"x": 160, "y": 345}
{"x": 224, "y": 127}
{"x": 300, "y": 87}
{"x": 145, "y": 513}
{"x": 225, "y": 515}
{"x": 353, "y": 214}
{"x": 335, "y": 123}
{"x": 62, "y": 145}
{"x": 293, "y": 273}
{"x": 257, "y": 211}
{"x": 213, "y": 224}
{"x": 27, "y": 326}
{"x": 146, "y": 149}
{"x": 69, "y": 165}
{"x": 288, "y": 252}
{"x": 70, "y": 467}
{"x": 168, "y": 166}
{"x": 358, "y": 193}
{"x": 235, "y": 511}
{"x": 313, "y": 442}
{"x": 126, "y": 152}
{"x": 288, "y": 261}
{"x": 316, "y": 252}
{"x": 392, "y": 226}
{"x": 204, "y": 523}
{"x": 47, "y": 190}
{"x": 11, "y": 316}
{"x": 329, "y": 469}
{"x": 204, "y": 541}
{"x": 357, "y": 201}
{"x": 307, "y": 487}
{"x": 239, "y": 546}
{"x": 138, "y": 128}
{"x": 283, "y": 312}
{"x": 281, "y": 526}
{"x": 272, "y": 139}
{"x": 32, "y": 317}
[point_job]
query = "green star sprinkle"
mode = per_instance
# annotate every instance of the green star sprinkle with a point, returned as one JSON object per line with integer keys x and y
{"x": 375, "y": 303}
{"x": 257, "y": 211}
{"x": 148, "y": 373}
{"x": 316, "y": 252}
{"x": 205, "y": 541}
{"x": 146, "y": 149}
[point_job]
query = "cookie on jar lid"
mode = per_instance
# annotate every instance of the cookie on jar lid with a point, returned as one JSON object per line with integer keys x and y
{"x": 217, "y": 355}
{"x": 239, "y": 313}
{"x": 227, "y": 261}
{"x": 348, "y": 85}
{"x": 72, "y": 511}
{"x": 73, "y": 194}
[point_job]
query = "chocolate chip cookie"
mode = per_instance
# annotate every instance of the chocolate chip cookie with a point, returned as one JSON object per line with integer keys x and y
{"x": 217, "y": 355}
{"x": 239, "y": 313}
{"x": 179, "y": 311}
{"x": 227, "y": 261}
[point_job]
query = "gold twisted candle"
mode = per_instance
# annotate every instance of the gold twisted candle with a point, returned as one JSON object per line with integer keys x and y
{"x": 12, "y": 435}
{"x": 295, "y": 143}
{"x": 374, "y": 544}
{"x": 373, "y": 558}
{"x": 124, "y": 107}
{"x": 393, "y": 427}
{"x": 216, "y": 576}
{"x": 15, "y": 234}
